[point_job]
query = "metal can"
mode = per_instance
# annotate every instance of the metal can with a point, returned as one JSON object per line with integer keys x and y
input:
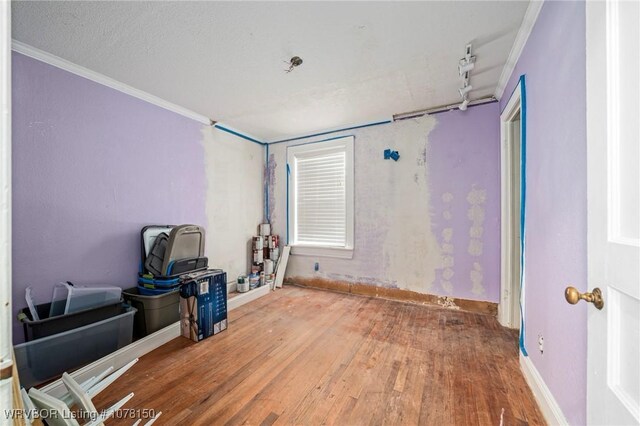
{"x": 258, "y": 242}
{"x": 274, "y": 254}
{"x": 258, "y": 256}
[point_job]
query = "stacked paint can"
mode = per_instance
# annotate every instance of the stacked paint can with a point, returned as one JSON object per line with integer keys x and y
{"x": 257, "y": 244}
{"x": 242, "y": 284}
{"x": 265, "y": 253}
{"x": 254, "y": 281}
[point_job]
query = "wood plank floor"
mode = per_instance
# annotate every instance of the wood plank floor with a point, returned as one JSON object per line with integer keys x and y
{"x": 304, "y": 356}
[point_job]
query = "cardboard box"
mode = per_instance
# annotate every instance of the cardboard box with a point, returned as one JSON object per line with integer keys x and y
{"x": 203, "y": 304}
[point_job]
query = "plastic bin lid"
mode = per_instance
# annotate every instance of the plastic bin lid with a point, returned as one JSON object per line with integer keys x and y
{"x": 68, "y": 298}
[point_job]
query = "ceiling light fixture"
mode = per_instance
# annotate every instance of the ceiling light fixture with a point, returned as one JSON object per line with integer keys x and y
{"x": 296, "y": 61}
{"x": 464, "y": 104}
{"x": 464, "y": 90}
{"x": 465, "y": 65}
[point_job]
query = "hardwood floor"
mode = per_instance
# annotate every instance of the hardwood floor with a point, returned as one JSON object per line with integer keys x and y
{"x": 304, "y": 356}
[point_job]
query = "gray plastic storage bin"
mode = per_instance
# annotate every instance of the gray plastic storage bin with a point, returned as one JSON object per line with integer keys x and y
{"x": 44, "y": 359}
{"x": 154, "y": 312}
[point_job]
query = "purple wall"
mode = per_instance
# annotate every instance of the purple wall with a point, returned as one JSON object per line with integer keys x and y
{"x": 464, "y": 153}
{"x": 554, "y": 62}
{"x": 91, "y": 166}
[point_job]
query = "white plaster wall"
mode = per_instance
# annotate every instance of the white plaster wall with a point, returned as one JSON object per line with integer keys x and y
{"x": 234, "y": 169}
{"x": 395, "y": 245}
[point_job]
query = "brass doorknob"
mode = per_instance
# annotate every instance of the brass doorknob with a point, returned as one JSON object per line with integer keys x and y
{"x": 573, "y": 296}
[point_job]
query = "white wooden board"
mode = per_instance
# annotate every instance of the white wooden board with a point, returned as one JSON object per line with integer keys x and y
{"x": 282, "y": 266}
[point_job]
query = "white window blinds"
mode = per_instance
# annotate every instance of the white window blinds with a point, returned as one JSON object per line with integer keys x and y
{"x": 320, "y": 198}
{"x": 321, "y": 193}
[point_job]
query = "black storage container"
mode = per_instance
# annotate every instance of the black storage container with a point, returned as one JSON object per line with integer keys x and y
{"x": 49, "y": 326}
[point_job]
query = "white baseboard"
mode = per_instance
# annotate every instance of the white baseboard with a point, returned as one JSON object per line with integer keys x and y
{"x": 547, "y": 403}
{"x": 143, "y": 346}
{"x": 244, "y": 298}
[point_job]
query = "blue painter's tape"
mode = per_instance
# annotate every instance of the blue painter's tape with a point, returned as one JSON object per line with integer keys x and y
{"x": 523, "y": 204}
{"x": 238, "y": 134}
{"x": 267, "y": 179}
{"x": 377, "y": 123}
{"x": 288, "y": 175}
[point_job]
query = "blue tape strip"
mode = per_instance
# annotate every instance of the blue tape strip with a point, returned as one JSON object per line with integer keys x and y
{"x": 288, "y": 174}
{"x": 240, "y": 135}
{"x": 267, "y": 179}
{"x": 523, "y": 204}
{"x": 377, "y": 123}
{"x": 323, "y": 140}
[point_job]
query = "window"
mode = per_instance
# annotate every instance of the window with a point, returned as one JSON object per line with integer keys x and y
{"x": 321, "y": 198}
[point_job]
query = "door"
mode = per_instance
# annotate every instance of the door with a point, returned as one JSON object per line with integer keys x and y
{"x": 613, "y": 146}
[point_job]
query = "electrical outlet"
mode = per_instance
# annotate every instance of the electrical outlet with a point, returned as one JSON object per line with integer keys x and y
{"x": 541, "y": 344}
{"x": 316, "y": 267}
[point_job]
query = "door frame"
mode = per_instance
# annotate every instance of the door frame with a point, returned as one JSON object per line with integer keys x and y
{"x": 508, "y": 253}
{"x": 6, "y": 348}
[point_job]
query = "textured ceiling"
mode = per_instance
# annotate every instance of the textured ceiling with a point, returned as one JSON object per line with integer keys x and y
{"x": 363, "y": 61}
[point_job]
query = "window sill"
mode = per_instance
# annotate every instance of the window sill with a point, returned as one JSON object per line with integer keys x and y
{"x": 337, "y": 252}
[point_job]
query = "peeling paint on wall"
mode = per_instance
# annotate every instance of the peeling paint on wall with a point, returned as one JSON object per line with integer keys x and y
{"x": 463, "y": 161}
{"x": 411, "y": 225}
{"x": 394, "y": 242}
{"x": 412, "y": 248}
{"x": 448, "y": 261}
{"x": 476, "y": 199}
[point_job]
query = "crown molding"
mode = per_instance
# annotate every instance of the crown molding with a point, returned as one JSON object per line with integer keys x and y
{"x": 528, "y": 22}
{"x": 41, "y": 55}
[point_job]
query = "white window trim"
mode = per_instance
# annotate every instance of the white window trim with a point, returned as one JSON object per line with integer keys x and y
{"x": 317, "y": 147}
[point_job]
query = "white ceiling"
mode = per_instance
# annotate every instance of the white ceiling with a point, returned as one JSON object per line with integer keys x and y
{"x": 363, "y": 61}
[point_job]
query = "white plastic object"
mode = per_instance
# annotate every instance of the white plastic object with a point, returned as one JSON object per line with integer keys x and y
{"x": 150, "y": 422}
{"x": 153, "y": 420}
{"x": 101, "y": 385}
{"x": 28, "y": 295}
{"x": 69, "y": 298}
{"x": 97, "y": 384}
{"x": 80, "y": 396}
{"x": 84, "y": 402}
{"x": 58, "y": 412}
{"x": 86, "y": 385}
{"x": 61, "y": 415}
{"x": 29, "y": 408}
